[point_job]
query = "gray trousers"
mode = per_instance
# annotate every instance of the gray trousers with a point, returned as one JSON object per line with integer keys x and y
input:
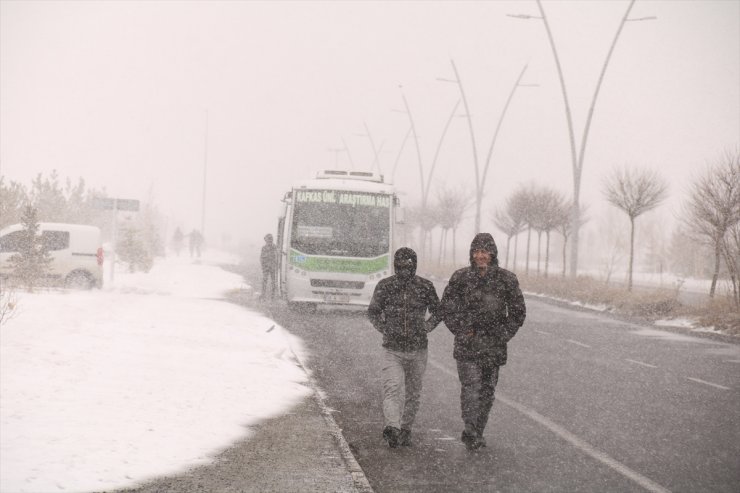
{"x": 402, "y": 375}
{"x": 477, "y": 386}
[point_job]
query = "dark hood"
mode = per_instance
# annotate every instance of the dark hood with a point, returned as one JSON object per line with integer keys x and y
{"x": 404, "y": 262}
{"x": 484, "y": 241}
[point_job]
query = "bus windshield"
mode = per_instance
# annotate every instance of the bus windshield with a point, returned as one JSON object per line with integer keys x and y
{"x": 341, "y": 223}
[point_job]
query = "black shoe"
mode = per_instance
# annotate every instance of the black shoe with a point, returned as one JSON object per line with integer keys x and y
{"x": 390, "y": 434}
{"x": 404, "y": 438}
{"x": 472, "y": 441}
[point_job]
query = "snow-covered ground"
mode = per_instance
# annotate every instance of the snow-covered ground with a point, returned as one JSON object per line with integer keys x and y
{"x": 154, "y": 373}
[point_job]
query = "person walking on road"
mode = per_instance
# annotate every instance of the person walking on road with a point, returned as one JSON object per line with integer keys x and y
{"x": 398, "y": 310}
{"x": 196, "y": 243}
{"x": 483, "y": 307}
{"x": 268, "y": 261}
{"x": 177, "y": 241}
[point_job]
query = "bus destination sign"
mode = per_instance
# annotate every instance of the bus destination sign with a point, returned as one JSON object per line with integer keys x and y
{"x": 343, "y": 198}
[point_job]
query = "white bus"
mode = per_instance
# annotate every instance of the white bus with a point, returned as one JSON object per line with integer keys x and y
{"x": 335, "y": 238}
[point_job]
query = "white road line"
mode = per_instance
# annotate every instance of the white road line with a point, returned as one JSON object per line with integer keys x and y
{"x": 709, "y": 383}
{"x": 542, "y": 332}
{"x": 640, "y": 363}
{"x": 577, "y": 343}
{"x": 569, "y": 437}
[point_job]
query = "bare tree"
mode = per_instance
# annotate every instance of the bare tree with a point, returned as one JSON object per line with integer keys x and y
{"x": 552, "y": 212}
{"x": 510, "y": 221}
{"x": 714, "y": 206}
{"x": 524, "y": 198}
{"x": 612, "y": 245}
{"x": 425, "y": 218}
{"x": 565, "y": 227}
{"x": 452, "y": 204}
{"x": 537, "y": 217}
{"x": 634, "y": 191}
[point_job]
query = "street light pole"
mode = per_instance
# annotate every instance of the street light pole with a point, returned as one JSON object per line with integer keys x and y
{"x": 372, "y": 144}
{"x": 577, "y": 158}
{"x": 425, "y": 183}
{"x": 398, "y": 156}
{"x": 480, "y": 179}
{"x": 349, "y": 155}
{"x": 205, "y": 175}
{"x": 336, "y": 151}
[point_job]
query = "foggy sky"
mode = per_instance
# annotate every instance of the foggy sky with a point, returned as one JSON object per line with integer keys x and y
{"x": 119, "y": 93}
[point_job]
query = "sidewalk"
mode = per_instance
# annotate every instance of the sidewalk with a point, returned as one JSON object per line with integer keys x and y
{"x": 296, "y": 452}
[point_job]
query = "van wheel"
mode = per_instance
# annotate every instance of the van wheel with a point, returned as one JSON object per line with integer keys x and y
{"x": 79, "y": 280}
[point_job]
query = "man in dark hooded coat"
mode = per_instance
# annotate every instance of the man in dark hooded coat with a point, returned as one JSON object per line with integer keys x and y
{"x": 268, "y": 261}
{"x": 398, "y": 310}
{"x": 483, "y": 307}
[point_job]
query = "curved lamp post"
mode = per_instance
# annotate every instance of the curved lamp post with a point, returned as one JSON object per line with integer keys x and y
{"x": 480, "y": 178}
{"x": 577, "y": 157}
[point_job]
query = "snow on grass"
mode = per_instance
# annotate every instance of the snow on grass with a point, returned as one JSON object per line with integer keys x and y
{"x": 103, "y": 389}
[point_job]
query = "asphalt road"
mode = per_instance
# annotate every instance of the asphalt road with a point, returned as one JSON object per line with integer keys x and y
{"x": 586, "y": 403}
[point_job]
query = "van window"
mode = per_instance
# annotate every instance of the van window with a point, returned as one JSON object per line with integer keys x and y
{"x": 55, "y": 240}
{"x": 11, "y": 242}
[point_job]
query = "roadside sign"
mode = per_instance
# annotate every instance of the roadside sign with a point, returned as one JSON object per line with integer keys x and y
{"x": 104, "y": 203}
{"x": 116, "y": 204}
{"x": 127, "y": 205}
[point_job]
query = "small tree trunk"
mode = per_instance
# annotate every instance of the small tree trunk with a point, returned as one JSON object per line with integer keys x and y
{"x": 632, "y": 253}
{"x": 547, "y": 251}
{"x": 508, "y": 245}
{"x": 565, "y": 253}
{"x": 539, "y": 250}
{"x": 454, "y": 247}
{"x": 526, "y": 261}
{"x": 715, "y": 276}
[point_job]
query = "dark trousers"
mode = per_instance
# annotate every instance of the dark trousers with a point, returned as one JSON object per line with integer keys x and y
{"x": 268, "y": 275}
{"x": 477, "y": 386}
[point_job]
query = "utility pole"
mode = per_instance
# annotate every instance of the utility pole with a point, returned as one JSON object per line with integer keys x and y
{"x": 205, "y": 175}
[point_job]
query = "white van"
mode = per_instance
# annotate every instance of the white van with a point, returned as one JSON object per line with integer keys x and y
{"x": 75, "y": 248}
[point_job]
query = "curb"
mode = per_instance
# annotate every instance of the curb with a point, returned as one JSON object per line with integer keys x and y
{"x": 361, "y": 483}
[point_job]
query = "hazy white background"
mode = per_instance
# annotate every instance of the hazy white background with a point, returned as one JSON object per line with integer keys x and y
{"x": 118, "y": 92}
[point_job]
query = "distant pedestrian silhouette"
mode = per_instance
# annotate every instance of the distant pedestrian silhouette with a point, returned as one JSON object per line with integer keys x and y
{"x": 178, "y": 239}
{"x": 196, "y": 243}
{"x": 268, "y": 261}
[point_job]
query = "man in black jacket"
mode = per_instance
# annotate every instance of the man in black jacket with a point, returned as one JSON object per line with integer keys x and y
{"x": 483, "y": 307}
{"x": 268, "y": 261}
{"x": 397, "y": 310}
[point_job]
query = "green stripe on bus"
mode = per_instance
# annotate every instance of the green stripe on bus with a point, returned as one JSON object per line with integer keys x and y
{"x": 327, "y": 264}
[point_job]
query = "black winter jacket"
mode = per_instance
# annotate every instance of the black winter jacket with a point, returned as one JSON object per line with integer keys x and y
{"x": 483, "y": 312}
{"x": 398, "y": 309}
